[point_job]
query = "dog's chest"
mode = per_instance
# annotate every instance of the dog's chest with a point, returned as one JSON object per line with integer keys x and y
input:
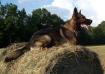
{"x": 67, "y": 34}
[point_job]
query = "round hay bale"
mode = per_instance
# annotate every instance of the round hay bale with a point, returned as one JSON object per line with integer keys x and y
{"x": 82, "y": 61}
{"x": 55, "y": 60}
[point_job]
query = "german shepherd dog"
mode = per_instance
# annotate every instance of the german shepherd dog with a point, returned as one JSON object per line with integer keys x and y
{"x": 51, "y": 36}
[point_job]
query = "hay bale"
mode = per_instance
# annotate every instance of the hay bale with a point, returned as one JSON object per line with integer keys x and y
{"x": 82, "y": 61}
{"x": 56, "y": 60}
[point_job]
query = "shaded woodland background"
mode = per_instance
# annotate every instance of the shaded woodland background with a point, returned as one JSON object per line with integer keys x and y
{"x": 18, "y": 26}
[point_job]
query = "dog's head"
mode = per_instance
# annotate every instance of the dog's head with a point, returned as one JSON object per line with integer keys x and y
{"x": 81, "y": 20}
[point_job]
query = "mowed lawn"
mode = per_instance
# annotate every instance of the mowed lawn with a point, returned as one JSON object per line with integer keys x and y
{"x": 100, "y": 50}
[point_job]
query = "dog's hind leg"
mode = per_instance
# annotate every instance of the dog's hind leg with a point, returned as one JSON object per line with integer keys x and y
{"x": 41, "y": 42}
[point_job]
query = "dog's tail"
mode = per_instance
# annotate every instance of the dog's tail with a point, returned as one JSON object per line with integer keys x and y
{"x": 15, "y": 54}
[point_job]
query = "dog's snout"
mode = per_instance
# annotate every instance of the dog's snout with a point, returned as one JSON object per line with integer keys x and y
{"x": 89, "y": 21}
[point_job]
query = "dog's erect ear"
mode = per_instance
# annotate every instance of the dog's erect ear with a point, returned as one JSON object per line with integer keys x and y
{"x": 75, "y": 11}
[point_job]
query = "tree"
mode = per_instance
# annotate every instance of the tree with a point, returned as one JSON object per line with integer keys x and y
{"x": 99, "y": 33}
{"x": 45, "y": 19}
{"x": 17, "y": 26}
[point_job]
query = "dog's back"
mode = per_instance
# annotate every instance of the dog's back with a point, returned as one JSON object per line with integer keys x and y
{"x": 46, "y": 37}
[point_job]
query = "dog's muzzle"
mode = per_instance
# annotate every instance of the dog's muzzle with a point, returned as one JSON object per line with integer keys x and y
{"x": 87, "y": 24}
{"x": 88, "y": 21}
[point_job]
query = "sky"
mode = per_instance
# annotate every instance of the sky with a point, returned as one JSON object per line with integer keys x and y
{"x": 93, "y": 9}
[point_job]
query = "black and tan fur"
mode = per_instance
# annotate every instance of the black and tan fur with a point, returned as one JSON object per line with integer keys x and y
{"x": 52, "y": 36}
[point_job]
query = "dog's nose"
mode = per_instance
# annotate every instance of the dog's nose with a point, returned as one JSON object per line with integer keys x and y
{"x": 90, "y": 21}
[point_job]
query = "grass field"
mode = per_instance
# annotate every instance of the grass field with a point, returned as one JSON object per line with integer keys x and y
{"x": 100, "y": 50}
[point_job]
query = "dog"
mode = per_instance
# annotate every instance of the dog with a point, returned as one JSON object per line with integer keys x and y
{"x": 52, "y": 36}
{"x": 67, "y": 32}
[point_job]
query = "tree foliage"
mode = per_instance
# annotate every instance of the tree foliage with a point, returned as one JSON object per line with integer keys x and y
{"x": 17, "y": 26}
{"x": 99, "y": 33}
